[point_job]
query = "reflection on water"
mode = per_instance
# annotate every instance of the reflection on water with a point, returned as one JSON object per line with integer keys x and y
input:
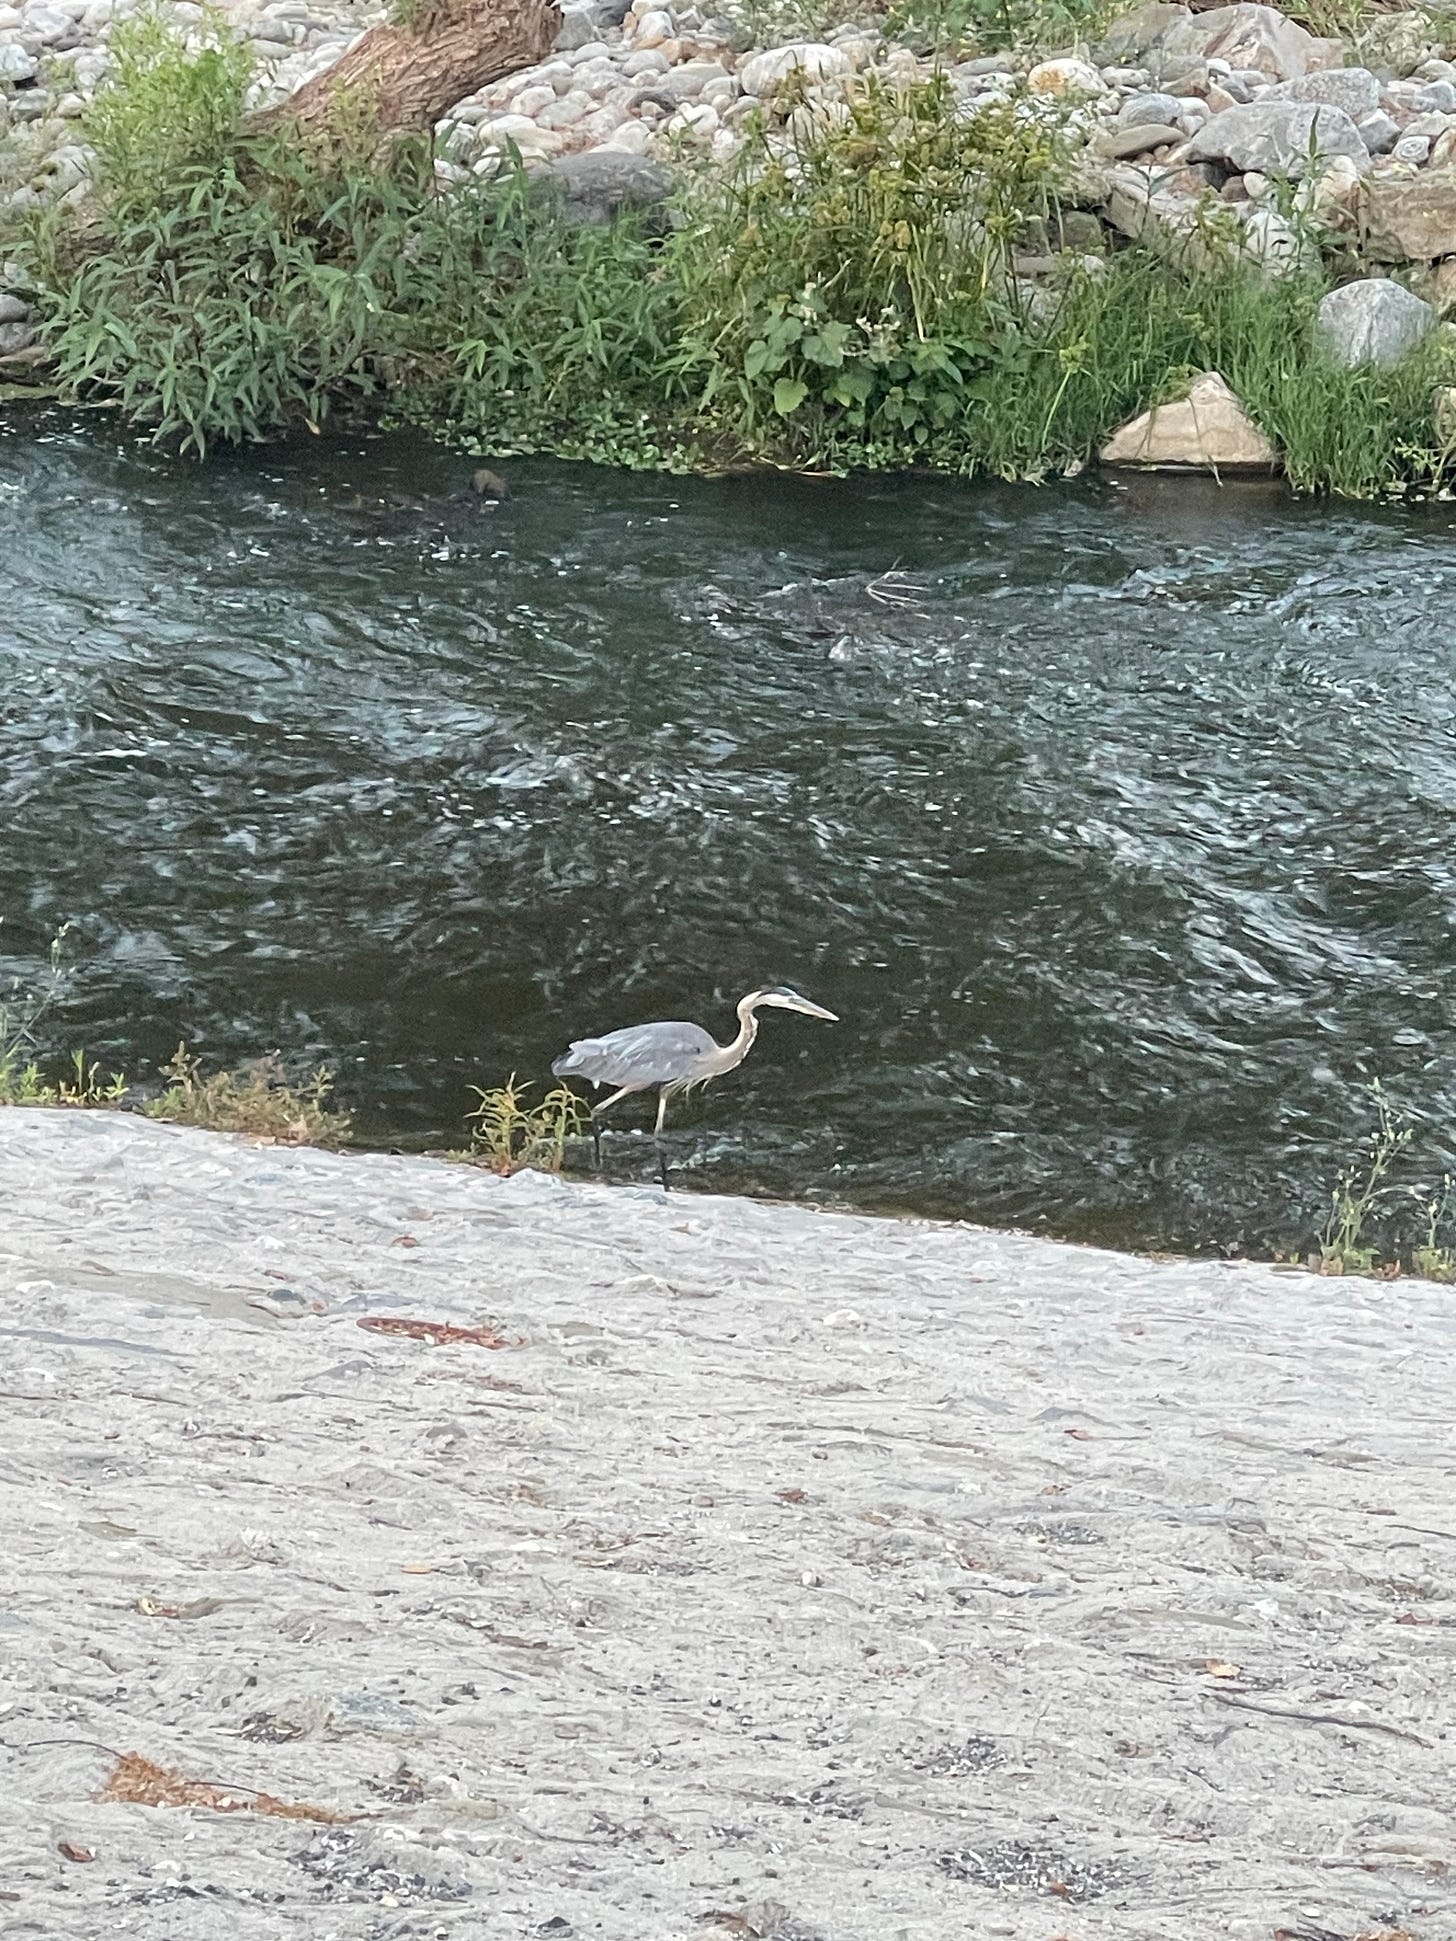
{"x": 1124, "y": 849}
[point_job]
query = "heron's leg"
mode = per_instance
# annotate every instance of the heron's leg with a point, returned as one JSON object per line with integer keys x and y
{"x": 657, "y": 1138}
{"x": 597, "y": 1111}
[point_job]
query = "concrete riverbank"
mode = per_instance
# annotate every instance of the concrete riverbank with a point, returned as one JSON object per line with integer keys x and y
{"x": 784, "y": 1574}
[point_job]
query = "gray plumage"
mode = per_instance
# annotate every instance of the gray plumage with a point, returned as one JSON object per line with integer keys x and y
{"x": 672, "y": 1057}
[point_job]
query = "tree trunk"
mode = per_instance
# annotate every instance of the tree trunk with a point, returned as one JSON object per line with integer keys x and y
{"x": 411, "y": 76}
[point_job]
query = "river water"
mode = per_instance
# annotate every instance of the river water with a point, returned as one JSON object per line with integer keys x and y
{"x": 1116, "y": 822}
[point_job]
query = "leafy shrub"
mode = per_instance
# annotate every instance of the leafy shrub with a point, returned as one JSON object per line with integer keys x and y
{"x": 843, "y": 296}
{"x": 538, "y": 335}
{"x": 508, "y": 1134}
{"x": 166, "y": 108}
{"x": 226, "y": 285}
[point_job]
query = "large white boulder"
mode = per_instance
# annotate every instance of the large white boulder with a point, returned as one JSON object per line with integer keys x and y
{"x": 1374, "y": 321}
{"x": 1207, "y": 431}
{"x": 816, "y": 59}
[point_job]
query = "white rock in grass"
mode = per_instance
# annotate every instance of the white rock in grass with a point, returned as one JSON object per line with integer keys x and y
{"x": 696, "y": 119}
{"x": 652, "y": 29}
{"x": 1207, "y": 431}
{"x": 1374, "y": 321}
{"x": 815, "y": 58}
{"x": 530, "y": 101}
{"x": 1071, "y": 78}
{"x": 632, "y": 138}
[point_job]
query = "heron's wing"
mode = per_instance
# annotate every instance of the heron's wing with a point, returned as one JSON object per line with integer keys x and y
{"x": 643, "y": 1054}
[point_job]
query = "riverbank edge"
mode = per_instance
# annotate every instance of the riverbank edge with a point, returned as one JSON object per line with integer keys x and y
{"x": 1113, "y": 187}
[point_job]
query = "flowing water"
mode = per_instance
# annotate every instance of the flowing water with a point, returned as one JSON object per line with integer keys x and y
{"x": 1116, "y": 822}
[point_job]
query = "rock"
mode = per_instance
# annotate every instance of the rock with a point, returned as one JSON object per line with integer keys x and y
{"x": 817, "y": 59}
{"x": 1412, "y": 150}
{"x": 1199, "y": 233}
{"x": 1133, "y": 34}
{"x": 1437, "y": 97}
{"x": 1334, "y": 194}
{"x": 652, "y": 28}
{"x": 1444, "y": 412}
{"x": 12, "y": 308}
{"x": 1271, "y": 241}
{"x": 1120, "y": 143}
{"x": 686, "y": 83}
{"x": 1409, "y": 218}
{"x": 1140, "y": 108}
{"x": 16, "y": 66}
{"x": 565, "y": 112}
{"x": 1443, "y": 148}
{"x": 15, "y": 337}
{"x": 632, "y": 138}
{"x": 1278, "y": 137}
{"x": 1355, "y": 89}
{"x": 1374, "y": 321}
{"x": 1068, "y": 78}
{"x": 1079, "y": 230}
{"x": 1247, "y": 37}
{"x": 1379, "y": 132}
{"x": 530, "y": 101}
{"x": 1208, "y": 431}
{"x": 697, "y": 119}
{"x": 579, "y": 27}
{"x": 50, "y": 27}
{"x": 597, "y": 186}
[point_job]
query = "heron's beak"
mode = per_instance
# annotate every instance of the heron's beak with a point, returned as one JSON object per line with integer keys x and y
{"x": 814, "y": 1011}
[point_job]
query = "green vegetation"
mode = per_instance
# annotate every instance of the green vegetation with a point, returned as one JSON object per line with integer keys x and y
{"x": 1364, "y": 1231}
{"x": 23, "y": 1079}
{"x": 849, "y": 301}
{"x": 508, "y": 1134}
{"x": 256, "y": 1100}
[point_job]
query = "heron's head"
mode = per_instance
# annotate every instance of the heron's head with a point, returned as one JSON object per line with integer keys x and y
{"x": 783, "y": 999}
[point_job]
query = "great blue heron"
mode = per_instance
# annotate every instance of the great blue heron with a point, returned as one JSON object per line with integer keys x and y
{"x": 672, "y": 1057}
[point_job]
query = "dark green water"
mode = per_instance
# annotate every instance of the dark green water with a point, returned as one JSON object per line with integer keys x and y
{"x": 1125, "y": 853}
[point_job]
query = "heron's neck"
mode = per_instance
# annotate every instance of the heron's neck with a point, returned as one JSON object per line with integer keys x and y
{"x": 738, "y": 1049}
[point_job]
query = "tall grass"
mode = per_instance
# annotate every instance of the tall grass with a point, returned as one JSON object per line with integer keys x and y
{"x": 1132, "y": 334}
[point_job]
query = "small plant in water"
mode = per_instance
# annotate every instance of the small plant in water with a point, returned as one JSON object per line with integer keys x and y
{"x": 256, "y": 1099}
{"x": 22, "y": 1076}
{"x": 1343, "y": 1245}
{"x": 508, "y": 1134}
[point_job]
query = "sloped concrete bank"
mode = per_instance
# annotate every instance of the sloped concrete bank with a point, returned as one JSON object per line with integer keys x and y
{"x": 787, "y": 1574}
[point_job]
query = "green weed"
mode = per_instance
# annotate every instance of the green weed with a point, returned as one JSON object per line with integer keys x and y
{"x": 1343, "y": 1244}
{"x": 167, "y": 109}
{"x": 508, "y": 1134}
{"x": 1433, "y": 1258}
{"x": 993, "y": 26}
{"x": 256, "y": 1100}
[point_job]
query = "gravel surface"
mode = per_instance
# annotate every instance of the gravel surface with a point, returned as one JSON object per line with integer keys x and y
{"x": 786, "y": 1574}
